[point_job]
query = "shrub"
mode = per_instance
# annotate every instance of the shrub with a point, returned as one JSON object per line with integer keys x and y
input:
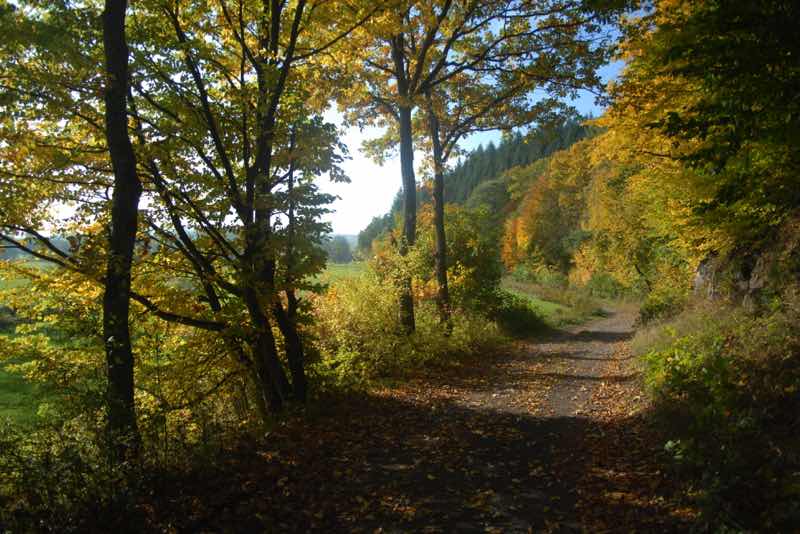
{"x": 523, "y": 273}
{"x": 540, "y": 274}
{"x": 727, "y": 383}
{"x": 550, "y": 277}
{"x": 59, "y": 479}
{"x": 603, "y": 285}
{"x": 661, "y": 305}
{"x": 359, "y": 336}
{"x": 514, "y": 314}
{"x": 473, "y": 253}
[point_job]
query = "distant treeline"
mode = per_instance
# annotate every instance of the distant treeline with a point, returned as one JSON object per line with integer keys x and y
{"x": 483, "y": 165}
{"x": 339, "y": 247}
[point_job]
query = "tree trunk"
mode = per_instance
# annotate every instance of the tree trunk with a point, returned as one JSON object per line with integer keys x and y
{"x": 287, "y": 318}
{"x": 404, "y": 108}
{"x": 409, "y": 213}
{"x": 274, "y": 384}
{"x": 293, "y": 343}
{"x": 294, "y": 352}
{"x": 122, "y": 426}
{"x": 443, "y": 294}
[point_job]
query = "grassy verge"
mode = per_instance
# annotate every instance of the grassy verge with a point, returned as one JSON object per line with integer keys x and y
{"x": 558, "y": 307}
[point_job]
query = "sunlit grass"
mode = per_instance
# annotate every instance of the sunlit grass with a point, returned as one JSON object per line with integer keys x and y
{"x": 573, "y": 308}
{"x": 337, "y": 271}
{"x": 18, "y": 397}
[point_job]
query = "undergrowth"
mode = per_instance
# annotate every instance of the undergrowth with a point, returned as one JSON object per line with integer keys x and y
{"x": 726, "y": 383}
{"x": 360, "y": 338}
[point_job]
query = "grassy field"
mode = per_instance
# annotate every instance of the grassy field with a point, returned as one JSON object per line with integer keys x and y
{"x": 338, "y": 271}
{"x": 18, "y": 397}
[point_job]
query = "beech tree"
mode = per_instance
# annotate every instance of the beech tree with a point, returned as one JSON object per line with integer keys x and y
{"x": 122, "y": 232}
{"x": 224, "y": 105}
{"x": 255, "y": 143}
{"x": 471, "y": 66}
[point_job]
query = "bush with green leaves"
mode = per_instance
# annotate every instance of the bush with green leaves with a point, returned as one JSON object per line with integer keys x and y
{"x": 514, "y": 314}
{"x": 59, "y": 478}
{"x": 728, "y": 383}
{"x": 661, "y": 304}
{"x": 535, "y": 273}
{"x": 360, "y": 338}
{"x": 473, "y": 254}
{"x": 605, "y": 286}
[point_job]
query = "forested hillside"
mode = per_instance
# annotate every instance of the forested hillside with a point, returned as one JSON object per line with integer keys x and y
{"x": 481, "y": 167}
{"x": 590, "y": 326}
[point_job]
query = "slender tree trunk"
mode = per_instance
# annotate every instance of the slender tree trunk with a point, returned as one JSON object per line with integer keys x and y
{"x": 286, "y": 318}
{"x": 122, "y": 425}
{"x": 293, "y": 343}
{"x": 294, "y": 352}
{"x": 409, "y": 213}
{"x": 291, "y": 298}
{"x": 259, "y": 397}
{"x": 443, "y": 294}
{"x": 404, "y": 109}
{"x": 291, "y": 304}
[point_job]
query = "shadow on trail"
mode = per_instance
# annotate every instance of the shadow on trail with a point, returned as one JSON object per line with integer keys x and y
{"x": 571, "y": 376}
{"x": 455, "y": 450}
{"x": 576, "y": 356}
{"x": 404, "y": 465}
{"x": 599, "y": 336}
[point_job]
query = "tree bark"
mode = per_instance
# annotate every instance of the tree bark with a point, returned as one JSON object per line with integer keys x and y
{"x": 272, "y": 378}
{"x": 294, "y": 353}
{"x": 122, "y": 426}
{"x": 287, "y": 318}
{"x": 258, "y": 254}
{"x": 443, "y": 293}
{"x": 404, "y": 109}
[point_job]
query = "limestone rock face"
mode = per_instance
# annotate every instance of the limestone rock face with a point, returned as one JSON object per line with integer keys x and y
{"x": 743, "y": 274}
{"x": 738, "y": 277}
{"x": 705, "y": 278}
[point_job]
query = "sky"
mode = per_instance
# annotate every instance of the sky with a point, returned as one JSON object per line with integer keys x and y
{"x": 372, "y": 187}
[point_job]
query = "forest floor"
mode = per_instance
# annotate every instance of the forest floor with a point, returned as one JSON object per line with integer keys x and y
{"x": 552, "y": 435}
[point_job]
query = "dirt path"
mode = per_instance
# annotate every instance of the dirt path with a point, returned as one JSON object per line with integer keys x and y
{"x": 547, "y": 438}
